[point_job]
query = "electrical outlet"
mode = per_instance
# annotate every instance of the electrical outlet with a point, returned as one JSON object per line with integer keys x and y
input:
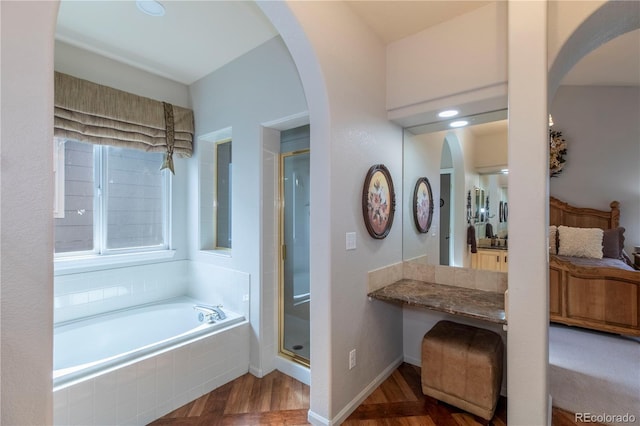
{"x": 352, "y": 359}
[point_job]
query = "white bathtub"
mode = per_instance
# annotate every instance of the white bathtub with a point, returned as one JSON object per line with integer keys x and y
{"x": 90, "y": 347}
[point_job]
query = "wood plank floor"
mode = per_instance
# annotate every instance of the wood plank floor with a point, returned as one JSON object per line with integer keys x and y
{"x": 277, "y": 399}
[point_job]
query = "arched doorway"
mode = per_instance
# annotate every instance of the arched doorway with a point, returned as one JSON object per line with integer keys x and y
{"x": 594, "y": 32}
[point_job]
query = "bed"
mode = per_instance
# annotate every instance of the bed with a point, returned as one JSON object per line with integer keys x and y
{"x": 596, "y": 293}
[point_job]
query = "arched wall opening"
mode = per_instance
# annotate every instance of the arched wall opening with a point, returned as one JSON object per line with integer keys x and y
{"x": 310, "y": 72}
{"x": 350, "y": 131}
{"x": 606, "y": 22}
{"x": 612, "y": 19}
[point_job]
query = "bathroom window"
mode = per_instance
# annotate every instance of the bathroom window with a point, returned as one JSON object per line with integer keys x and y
{"x": 223, "y": 194}
{"x": 116, "y": 200}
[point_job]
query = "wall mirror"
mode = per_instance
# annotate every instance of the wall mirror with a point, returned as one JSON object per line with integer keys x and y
{"x": 458, "y": 162}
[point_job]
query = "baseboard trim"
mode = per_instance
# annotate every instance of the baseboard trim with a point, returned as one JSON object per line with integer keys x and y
{"x": 413, "y": 361}
{"x": 316, "y": 419}
{"x": 293, "y": 369}
{"x": 256, "y": 371}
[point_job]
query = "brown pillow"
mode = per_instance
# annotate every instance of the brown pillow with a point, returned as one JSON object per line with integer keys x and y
{"x": 613, "y": 243}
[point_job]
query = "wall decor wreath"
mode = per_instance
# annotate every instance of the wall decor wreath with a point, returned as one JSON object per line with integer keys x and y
{"x": 557, "y": 151}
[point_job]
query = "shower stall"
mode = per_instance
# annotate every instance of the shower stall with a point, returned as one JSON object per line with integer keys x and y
{"x": 295, "y": 295}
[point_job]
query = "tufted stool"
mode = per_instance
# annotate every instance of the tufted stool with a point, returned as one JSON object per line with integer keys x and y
{"x": 462, "y": 366}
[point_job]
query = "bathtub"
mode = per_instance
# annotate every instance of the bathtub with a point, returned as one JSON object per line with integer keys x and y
{"x": 96, "y": 345}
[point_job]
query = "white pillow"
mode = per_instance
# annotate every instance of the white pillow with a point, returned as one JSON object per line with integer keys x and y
{"x": 580, "y": 242}
{"x": 553, "y": 239}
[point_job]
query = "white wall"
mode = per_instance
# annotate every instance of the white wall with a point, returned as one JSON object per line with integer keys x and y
{"x": 528, "y": 304}
{"x": 344, "y": 70}
{"x": 260, "y": 86}
{"x": 432, "y": 69}
{"x": 26, "y": 220}
{"x": 492, "y": 152}
{"x": 600, "y": 125}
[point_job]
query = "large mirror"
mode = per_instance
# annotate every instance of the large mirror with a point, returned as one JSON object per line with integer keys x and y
{"x": 468, "y": 172}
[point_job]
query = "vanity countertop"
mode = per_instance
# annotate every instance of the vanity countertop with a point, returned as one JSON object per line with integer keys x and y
{"x": 468, "y": 302}
{"x": 503, "y": 248}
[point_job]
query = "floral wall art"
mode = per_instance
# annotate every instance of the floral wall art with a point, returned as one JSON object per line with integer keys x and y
{"x": 378, "y": 201}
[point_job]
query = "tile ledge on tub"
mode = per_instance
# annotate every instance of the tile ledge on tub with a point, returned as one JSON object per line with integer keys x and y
{"x": 75, "y": 264}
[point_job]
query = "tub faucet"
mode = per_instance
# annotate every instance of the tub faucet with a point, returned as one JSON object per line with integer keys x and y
{"x": 210, "y": 313}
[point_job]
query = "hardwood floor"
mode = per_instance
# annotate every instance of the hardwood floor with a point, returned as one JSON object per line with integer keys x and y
{"x": 399, "y": 401}
{"x": 277, "y": 399}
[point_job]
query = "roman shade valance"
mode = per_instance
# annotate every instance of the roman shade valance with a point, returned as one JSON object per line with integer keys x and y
{"x": 93, "y": 113}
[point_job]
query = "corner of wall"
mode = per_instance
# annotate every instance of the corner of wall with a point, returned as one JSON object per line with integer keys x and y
{"x": 384, "y": 276}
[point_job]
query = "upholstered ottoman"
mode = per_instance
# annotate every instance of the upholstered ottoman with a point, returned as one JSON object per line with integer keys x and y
{"x": 462, "y": 366}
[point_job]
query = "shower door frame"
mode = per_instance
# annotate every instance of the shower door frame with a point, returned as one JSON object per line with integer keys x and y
{"x": 282, "y": 257}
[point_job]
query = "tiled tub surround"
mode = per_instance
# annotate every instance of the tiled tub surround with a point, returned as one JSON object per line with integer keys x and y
{"x": 83, "y": 294}
{"x": 97, "y": 344}
{"x": 139, "y": 391}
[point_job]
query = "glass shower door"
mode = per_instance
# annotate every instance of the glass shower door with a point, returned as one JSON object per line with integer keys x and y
{"x": 294, "y": 289}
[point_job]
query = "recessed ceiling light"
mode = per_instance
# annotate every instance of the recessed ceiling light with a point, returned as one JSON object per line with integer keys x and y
{"x": 460, "y": 123}
{"x": 448, "y": 113}
{"x": 150, "y": 7}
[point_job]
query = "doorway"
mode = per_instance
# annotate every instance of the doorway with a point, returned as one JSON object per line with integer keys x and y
{"x": 445, "y": 217}
{"x": 446, "y": 182}
{"x": 294, "y": 294}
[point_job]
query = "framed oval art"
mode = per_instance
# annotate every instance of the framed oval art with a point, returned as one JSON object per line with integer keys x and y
{"x": 422, "y": 205}
{"x": 378, "y": 201}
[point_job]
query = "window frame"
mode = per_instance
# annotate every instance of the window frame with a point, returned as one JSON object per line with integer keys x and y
{"x": 100, "y": 254}
{"x": 59, "y": 177}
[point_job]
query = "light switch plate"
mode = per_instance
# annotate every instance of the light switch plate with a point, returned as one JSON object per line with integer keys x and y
{"x": 351, "y": 240}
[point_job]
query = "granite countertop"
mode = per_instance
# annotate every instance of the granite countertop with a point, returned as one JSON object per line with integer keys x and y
{"x": 504, "y": 248}
{"x": 467, "y": 302}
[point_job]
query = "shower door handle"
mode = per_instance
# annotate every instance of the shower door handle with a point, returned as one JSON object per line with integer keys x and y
{"x": 284, "y": 252}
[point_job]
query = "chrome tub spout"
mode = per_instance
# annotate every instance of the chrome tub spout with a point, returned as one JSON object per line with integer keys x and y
{"x": 210, "y": 313}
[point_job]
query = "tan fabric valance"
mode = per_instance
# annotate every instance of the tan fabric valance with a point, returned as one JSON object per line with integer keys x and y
{"x": 93, "y": 113}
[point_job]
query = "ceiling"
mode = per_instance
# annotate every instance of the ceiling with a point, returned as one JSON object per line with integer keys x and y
{"x": 195, "y": 38}
{"x": 395, "y": 20}
{"x": 191, "y": 40}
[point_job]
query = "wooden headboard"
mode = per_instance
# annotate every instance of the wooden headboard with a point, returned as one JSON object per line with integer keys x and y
{"x": 561, "y": 213}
